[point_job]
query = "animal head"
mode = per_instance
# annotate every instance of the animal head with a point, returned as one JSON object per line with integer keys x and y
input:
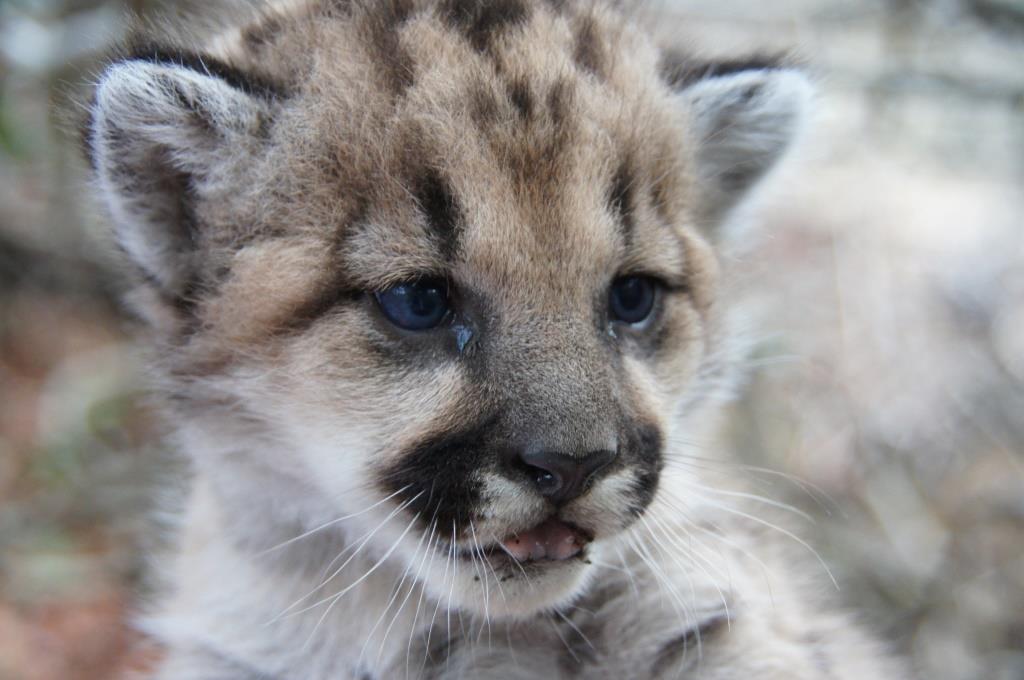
{"x": 446, "y": 269}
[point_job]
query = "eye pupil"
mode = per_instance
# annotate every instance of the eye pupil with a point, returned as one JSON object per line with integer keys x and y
{"x": 415, "y": 306}
{"x": 631, "y": 299}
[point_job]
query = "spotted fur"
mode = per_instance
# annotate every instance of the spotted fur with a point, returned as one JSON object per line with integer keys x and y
{"x": 348, "y": 473}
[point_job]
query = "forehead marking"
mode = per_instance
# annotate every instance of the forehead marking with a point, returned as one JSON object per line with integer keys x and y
{"x": 442, "y": 211}
{"x": 484, "y": 107}
{"x": 559, "y": 100}
{"x": 481, "y": 20}
{"x": 587, "y": 51}
{"x": 621, "y": 202}
{"x": 521, "y": 97}
{"x": 393, "y": 60}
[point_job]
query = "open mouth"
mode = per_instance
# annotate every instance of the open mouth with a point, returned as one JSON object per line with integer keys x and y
{"x": 551, "y": 540}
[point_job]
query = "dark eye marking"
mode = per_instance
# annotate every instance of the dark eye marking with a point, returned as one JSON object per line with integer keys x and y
{"x": 631, "y": 299}
{"x": 417, "y": 305}
{"x": 442, "y": 212}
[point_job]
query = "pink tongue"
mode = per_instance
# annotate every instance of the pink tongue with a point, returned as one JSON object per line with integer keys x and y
{"x": 551, "y": 540}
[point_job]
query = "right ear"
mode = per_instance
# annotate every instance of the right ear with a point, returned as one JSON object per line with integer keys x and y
{"x": 744, "y": 116}
{"x": 161, "y": 131}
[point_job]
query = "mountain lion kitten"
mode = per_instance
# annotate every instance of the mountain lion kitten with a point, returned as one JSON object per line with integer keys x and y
{"x": 434, "y": 288}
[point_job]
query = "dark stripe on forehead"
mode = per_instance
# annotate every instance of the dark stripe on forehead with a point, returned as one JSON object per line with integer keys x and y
{"x": 560, "y": 100}
{"x": 538, "y": 161}
{"x": 621, "y": 199}
{"x": 383, "y": 22}
{"x": 522, "y": 99}
{"x": 488, "y": 108}
{"x": 444, "y": 217}
{"x": 481, "y": 20}
{"x": 588, "y": 51}
{"x": 484, "y": 107}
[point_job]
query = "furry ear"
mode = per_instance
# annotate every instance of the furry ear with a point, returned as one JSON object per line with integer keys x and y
{"x": 161, "y": 132}
{"x": 745, "y": 115}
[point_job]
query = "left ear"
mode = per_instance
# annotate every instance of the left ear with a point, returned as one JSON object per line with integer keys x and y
{"x": 162, "y": 129}
{"x": 744, "y": 120}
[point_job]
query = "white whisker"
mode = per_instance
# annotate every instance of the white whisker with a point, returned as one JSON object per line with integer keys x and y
{"x": 344, "y": 564}
{"x": 335, "y": 598}
{"x": 412, "y": 586}
{"x": 577, "y": 630}
{"x": 331, "y": 523}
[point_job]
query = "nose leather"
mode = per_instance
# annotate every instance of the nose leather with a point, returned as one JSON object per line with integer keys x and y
{"x": 561, "y": 477}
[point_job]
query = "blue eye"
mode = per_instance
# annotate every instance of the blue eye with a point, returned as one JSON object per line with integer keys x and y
{"x": 631, "y": 298}
{"x": 416, "y": 306}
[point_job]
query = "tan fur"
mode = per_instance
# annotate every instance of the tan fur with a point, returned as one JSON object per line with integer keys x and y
{"x": 529, "y": 153}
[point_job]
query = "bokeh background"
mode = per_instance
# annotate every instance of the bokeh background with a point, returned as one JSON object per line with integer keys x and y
{"x": 888, "y": 377}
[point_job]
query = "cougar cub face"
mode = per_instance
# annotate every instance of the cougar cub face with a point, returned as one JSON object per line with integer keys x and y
{"x": 444, "y": 270}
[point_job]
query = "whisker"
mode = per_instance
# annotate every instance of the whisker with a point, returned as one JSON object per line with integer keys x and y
{"x": 377, "y": 564}
{"x": 687, "y": 621}
{"x": 689, "y": 555}
{"x": 412, "y": 587}
{"x": 720, "y": 535}
{"x": 641, "y": 551}
{"x": 819, "y": 496}
{"x": 577, "y": 629}
{"x": 391, "y": 601}
{"x": 565, "y": 642}
{"x": 474, "y": 553}
{"x": 344, "y": 564}
{"x": 336, "y": 598}
{"x": 784, "y": 532}
{"x": 419, "y": 602}
{"x": 330, "y": 523}
{"x": 628, "y": 571}
{"x": 759, "y": 499}
{"x": 518, "y": 565}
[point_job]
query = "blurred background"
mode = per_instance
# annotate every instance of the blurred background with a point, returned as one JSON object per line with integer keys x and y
{"x": 888, "y": 376}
